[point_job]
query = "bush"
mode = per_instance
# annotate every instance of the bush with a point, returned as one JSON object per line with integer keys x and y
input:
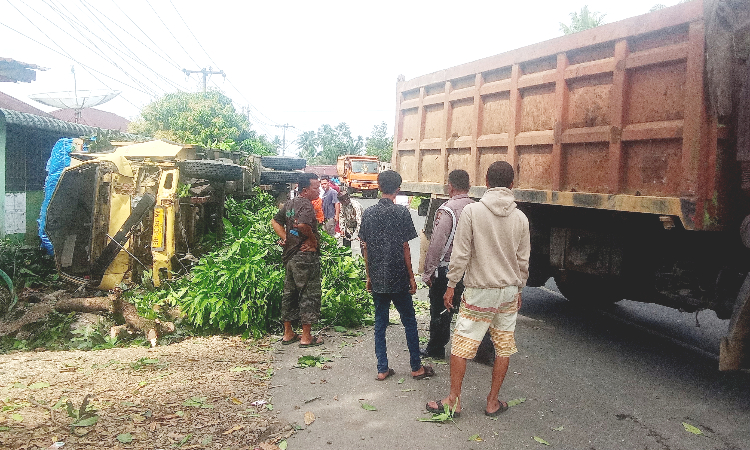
{"x": 239, "y": 287}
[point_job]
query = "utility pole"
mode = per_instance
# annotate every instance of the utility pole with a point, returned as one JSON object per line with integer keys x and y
{"x": 205, "y": 73}
{"x": 283, "y": 141}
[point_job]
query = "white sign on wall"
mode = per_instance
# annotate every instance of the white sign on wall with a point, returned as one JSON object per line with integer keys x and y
{"x": 15, "y": 213}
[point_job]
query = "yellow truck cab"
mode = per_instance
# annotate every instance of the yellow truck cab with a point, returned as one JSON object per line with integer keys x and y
{"x": 137, "y": 209}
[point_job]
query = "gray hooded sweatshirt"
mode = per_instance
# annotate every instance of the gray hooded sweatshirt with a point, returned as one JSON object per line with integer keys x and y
{"x": 492, "y": 246}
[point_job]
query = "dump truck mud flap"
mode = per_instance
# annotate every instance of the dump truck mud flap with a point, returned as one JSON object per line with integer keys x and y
{"x": 734, "y": 346}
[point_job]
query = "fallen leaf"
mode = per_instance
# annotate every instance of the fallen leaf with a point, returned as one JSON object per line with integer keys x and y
{"x": 87, "y": 422}
{"x": 475, "y": 437}
{"x": 40, "y": 385}
{"x": 339, "y": 329}
{"x": 137, "y": 418}
{"x": 368, "y": 407}
{"x": 516, "y": 401}
{"x": 282, "y": 445}
{"x": 558, "y": 428}
{"x": 540, "y": 440}
{"x": 17, "y": 417}
{"x": 309, "y": 418}
{"x": 401, "y": 381}
{"x": 692, "y": 429}
{"x": 233, "y": 429}
{"x": 236, "y": 401}
{"x": 125, "y": 438}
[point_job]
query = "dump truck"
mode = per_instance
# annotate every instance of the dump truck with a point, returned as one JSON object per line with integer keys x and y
{"x": 631, "y": 147}
{"x": 359, "y": 173}
{"x": 143, "y": 208}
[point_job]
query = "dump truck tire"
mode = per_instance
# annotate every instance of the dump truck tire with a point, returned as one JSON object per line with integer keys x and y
{"x": 211, "y": 170}
{"x": 283, "y": 163}
{"x": 279, "y": 176}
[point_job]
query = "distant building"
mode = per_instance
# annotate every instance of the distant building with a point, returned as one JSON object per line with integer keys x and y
{"x": 94, "y": 118}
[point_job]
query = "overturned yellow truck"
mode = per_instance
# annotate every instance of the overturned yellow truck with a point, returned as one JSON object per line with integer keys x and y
{"x": 140, "y": 209}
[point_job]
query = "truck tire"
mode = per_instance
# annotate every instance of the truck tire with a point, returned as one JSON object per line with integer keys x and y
{"x": 283, "y": 163}
{"x": 210, "y": 170}
{"x": 279, "y": 176}
{"x": 587, "y": 290}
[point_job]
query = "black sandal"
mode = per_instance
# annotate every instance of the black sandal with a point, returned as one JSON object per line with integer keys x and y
{"x": 428, "y": 372}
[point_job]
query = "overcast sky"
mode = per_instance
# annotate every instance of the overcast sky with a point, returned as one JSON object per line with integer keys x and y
{"x": 303, "y": 63}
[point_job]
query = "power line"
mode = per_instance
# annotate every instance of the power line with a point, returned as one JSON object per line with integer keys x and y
{"x": 127, "y": 51}
{"x": 192, "y": 34}
{"x": 172, "y": 34}
{"x": 67, "y": 55}
{"x": 98, "y": 51}
{"x": 165, "y": 54}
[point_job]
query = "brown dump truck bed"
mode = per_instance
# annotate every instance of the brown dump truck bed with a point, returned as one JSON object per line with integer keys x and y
{"x": 611, "y": 118}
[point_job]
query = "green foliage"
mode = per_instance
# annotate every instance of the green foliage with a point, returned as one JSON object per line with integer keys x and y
{"x": 582, "y": 20}
{"x": 379, "y": 143}
{"x": 26, "y": 265}
{"x": 207, "y": 119}
{"x": 328, "y": 143}
{"x": 53, "y": 334}
{"x": 92, "y": 337}
{"x": 239, "y": 287}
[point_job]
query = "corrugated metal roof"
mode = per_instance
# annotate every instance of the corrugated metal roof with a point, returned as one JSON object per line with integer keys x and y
{"x": 58, "y": 126}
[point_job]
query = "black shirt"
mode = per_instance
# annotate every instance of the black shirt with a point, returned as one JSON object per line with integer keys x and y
{"x": 296, "y": 211}
{"x": 385, "y": 227}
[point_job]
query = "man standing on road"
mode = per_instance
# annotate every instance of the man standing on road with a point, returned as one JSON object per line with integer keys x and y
{"x": 296, "y": 225}
{"x": 386, "y": 231}
{"x": 350, "y": 218}
{"x": 436, "y": 263}
{"x": 331, "y": 206}
{"x": 491, "y": 252}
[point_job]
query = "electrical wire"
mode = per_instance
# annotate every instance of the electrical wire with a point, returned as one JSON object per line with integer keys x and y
{"x": 98, "y": 51}
{"x": 125, "y": 49}
{"x": 165, "y": 55}
{"x": 170, "y": 32}
{"x": 85, "y": 66}
{"x": 192, "y": 34}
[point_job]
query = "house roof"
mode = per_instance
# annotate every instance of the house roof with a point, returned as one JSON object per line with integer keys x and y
{"x": 8, "y": 102}
{"x": 14, "y": 71}
{"x": 94, "y": 117}
{"x": 52, "y": 124}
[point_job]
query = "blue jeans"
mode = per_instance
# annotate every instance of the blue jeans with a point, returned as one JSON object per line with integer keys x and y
{"x": 405, "y": 307}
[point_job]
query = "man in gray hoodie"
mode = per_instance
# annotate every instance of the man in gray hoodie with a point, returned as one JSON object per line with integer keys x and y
{"x": 491, "y": 252}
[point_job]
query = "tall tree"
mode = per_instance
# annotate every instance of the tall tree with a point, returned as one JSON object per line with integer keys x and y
{"x": 582, "y": 20}
{"x": 207, "y": 119}
{"x": 379, "y": 143}
{"x": 328, "y": 143}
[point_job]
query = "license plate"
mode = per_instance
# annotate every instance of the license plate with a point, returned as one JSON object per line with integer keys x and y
{"x": 159, "y": 234}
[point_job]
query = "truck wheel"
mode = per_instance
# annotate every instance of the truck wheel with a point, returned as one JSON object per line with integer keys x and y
{"x": 587, "y": 290}
{"x": 279, "y": 176}
{"x": 210, "y": 170}
{"x": 283, "y": 163}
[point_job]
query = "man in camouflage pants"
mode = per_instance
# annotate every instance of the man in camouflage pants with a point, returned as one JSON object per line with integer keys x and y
{"x": 296, "y": 225}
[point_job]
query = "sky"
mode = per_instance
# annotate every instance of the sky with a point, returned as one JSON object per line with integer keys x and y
{"x": 300, "y": 63}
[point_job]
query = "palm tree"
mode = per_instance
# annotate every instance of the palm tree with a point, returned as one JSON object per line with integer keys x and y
{"x": 582, "y": 20}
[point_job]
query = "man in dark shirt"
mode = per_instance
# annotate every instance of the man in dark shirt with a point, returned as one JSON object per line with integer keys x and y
{"x": 296, "y": 225}
{"x": 385, "y": 232}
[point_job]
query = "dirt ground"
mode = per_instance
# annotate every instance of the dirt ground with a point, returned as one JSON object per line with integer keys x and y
{"x": 211, "y": 392}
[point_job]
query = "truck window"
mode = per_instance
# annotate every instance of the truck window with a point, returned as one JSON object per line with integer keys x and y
{"x": 365, "y": 166}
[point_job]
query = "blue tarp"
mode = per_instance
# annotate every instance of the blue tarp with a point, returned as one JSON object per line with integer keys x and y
{"x": 58, "y": 161}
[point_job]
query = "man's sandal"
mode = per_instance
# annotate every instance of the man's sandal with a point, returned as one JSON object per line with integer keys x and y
{"x": 503, "y": 407}
{"x": 428, "y": 372}
{"x": 441, "y": 409}
{"x": 296, "y": 338}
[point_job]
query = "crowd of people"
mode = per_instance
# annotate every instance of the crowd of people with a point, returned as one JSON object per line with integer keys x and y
{"x": 476, "y": 266}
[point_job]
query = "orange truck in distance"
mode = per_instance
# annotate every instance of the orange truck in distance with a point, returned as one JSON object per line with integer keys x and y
{"x": 359, "y": 173}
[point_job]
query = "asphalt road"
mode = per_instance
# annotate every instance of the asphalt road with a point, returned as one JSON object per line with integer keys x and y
{"x": 624, "y": 378}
